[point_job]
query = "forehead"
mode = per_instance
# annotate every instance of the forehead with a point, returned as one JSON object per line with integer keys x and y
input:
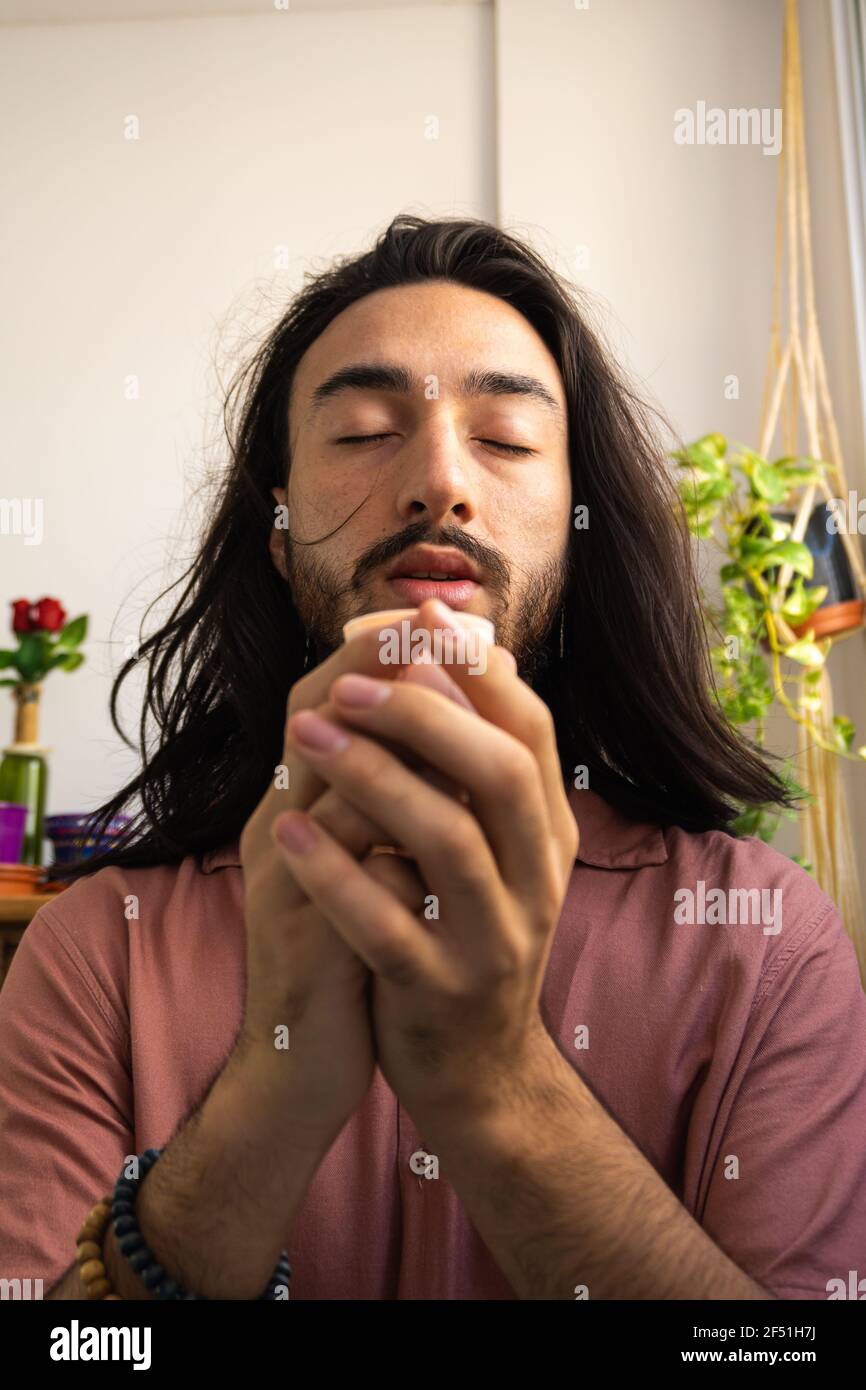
{"x": 436, "y": 328}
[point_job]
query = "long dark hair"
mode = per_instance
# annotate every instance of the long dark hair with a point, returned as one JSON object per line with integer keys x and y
{"x": 625, "y": 673}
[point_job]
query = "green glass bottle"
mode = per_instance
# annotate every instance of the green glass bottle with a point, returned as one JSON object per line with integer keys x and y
{"x": 23, "y": 779}
{"x": 24, "y": 771}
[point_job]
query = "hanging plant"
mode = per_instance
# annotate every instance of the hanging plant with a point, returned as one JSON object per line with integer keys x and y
{"x": 728, "y": 499}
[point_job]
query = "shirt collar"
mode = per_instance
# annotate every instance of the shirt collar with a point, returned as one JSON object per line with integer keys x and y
{"x": 611, "y": 840}
{"x": 608, "y": 839}
{"x": 226, "y": 857}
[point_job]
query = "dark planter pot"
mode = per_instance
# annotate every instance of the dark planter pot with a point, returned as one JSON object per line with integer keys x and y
{"x": 842, "y": 610}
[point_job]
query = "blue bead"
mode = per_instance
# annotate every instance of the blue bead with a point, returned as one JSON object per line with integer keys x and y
{"x": 152, "y": 1275}
{"x": 124, "y": 1224}
{"x": 131, "y": 1242}
{"x": 140, "y": 1260}
{"x": 169, "y": 1288}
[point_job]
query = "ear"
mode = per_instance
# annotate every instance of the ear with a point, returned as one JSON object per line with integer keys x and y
{"x": 278, "y": 530}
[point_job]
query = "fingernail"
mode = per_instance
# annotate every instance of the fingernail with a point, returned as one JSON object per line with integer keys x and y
{"x": 360, "y": 691}
{"x": 436, "y": 678}
{"x": 441, "y": 610}
{"x": 294, "y": 831}
{"x": 318, "y": 734}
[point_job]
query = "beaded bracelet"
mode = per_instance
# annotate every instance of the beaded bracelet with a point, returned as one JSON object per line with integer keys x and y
{"x": 119, "y": 1209}
{"x": 89, "y": 1253}
{"x": 131, "y": 1242}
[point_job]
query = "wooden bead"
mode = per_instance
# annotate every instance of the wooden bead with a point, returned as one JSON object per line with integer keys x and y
{"x": 89, "y": 1250}
{"x": 101, "y": 1212}
{"x": 90, "y": 1270}
{"x": 109, "y": 1297}
{"x": 89, "y": 1231}
{"x": 100, "y": 1288}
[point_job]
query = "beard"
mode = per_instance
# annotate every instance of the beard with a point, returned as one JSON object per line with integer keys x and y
{"x": 326, "y": 597}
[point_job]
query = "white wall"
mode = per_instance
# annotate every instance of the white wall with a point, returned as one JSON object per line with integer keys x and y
{"x": 124, "y": 257}
{"x": 680, "y": 239}
{"x": 306, "y": 129}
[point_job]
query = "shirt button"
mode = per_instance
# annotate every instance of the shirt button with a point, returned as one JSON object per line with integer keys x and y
{"x": 424, "y": 1165}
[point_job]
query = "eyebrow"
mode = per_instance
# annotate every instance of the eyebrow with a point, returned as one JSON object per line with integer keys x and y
{"x": 387, "y": 376}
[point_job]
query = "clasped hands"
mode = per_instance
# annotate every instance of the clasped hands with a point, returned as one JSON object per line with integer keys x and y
{"x": 457, "y": 937}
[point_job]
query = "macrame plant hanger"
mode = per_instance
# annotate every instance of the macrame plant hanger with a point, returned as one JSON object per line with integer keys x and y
{"x": 796, "y": 390}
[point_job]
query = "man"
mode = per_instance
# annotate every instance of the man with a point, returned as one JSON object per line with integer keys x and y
{"x": 504, "y": 1062}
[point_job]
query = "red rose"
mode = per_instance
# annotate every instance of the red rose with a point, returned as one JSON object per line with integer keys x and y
{"x": 21, "y": 615}
{"x": 49, "y": 615}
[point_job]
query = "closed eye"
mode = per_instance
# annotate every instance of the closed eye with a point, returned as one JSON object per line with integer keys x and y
{"x": 509, "y": 448}
{"x": 375, "y": 438}
{"x": 361, "y": 438}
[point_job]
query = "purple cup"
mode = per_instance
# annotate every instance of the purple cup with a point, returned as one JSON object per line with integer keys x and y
{"x": 12, "y": 821}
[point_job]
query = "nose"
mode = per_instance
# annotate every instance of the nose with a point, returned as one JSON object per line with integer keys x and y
{"x": 436, "y": 479}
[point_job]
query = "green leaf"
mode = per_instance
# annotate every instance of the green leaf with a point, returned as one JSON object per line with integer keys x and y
{"x": 843, "y": 732}
{"x": 805, "y": 653}
{"x": 804, "y": 863}
{"x": 714, "y": 443}
{"x": 747, "y": 458}
{"x": 751, "y": 547}
{"x": 33, "y": 655}
{"x": 748, "y": 822}
{"x": 792, "y": 553}
{"x": 798, "y": 475}
{"x": 73, "y": 634}
{"x": 705, "y": 456}
{"x": 8, "y": 658}
{"x": 801, "y": 602}
{"x": 712, "y": 490}
{"x": 796, "y": 464}
{"x": 65, "y": 661}
{"x": 730, "y": 572}
{"x": 797, "y": 555}
{"x": 768, "y": 484}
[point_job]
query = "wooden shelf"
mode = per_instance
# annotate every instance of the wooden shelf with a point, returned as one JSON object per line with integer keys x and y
{"x": 17, "y": 910}
{"x": 21, "y": 907}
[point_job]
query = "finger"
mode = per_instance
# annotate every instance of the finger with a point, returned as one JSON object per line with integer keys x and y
{"x": 377, "y": 927}
{"x": 425, "y": 673}
{"x": 401, "y": 876}
{"x": 435, "y": 678}
{"x": 499, "y": 695}
{"x": 362, "y": 654}
{"x": 444, "y": 837}
{"x": 500, "y": 773}
{"x": 345, "y": 823}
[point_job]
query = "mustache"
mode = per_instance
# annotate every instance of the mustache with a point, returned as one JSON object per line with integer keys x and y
{"x": 490, "y": 564}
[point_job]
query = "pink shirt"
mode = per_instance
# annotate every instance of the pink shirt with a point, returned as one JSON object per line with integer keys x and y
{"x": 714, "y": 1045}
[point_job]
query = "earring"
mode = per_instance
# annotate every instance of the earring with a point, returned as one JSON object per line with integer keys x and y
{"x": 306, "y": 651}
{"x": 562, "y": 632}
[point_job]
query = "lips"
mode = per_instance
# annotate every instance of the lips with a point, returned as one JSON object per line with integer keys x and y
{"x": 456, "y": 593}
{"x": 434, "y": 566}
